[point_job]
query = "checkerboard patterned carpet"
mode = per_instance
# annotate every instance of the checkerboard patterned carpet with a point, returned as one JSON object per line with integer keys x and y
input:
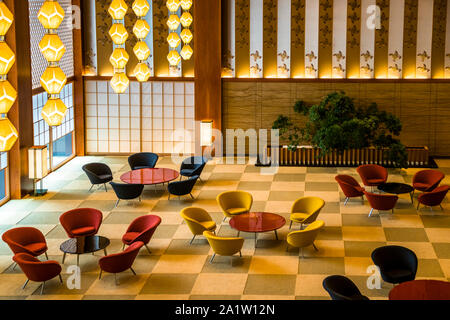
{"x": 177, "y": 270}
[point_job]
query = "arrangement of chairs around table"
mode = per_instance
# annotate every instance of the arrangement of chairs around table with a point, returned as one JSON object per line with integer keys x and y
{"x": 101, "y": 174}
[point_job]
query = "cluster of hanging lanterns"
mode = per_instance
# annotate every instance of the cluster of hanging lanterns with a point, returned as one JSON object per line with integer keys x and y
{"x": 119, "y": 35}
{"x": 141, "y": 50}
{"x": 8, "y": 95}
{"x": 53, "y": 80}
{"x": 185, "y": 36}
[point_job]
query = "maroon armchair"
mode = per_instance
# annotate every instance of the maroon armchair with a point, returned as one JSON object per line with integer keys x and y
{"x": 350, "y": 187}
{"x": 141, "y": 229}
{"x": 81, "y": 222}
{"x": 383, "y": 202}
{"x": 372, "y": 175}
{"x": 36, "y": 270}
{"x": 26, "y": 240}
{"x": 119, "y": 262}
{"x": 427, "y": 180}
{"x": 433, "y": 198}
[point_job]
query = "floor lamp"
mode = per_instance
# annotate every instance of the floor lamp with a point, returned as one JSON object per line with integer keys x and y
{"x": 37, "y": 164}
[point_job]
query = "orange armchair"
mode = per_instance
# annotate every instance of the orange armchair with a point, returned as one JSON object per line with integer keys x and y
{"x": 26, "y": 240}
{"x": 427, "y": 180}
{"x": 350, "y": 187}
{"x": 81, "y": 222}
{"x": 433, "y": 198}
{"x": 141, "y": 229}
{"x": 381, "y": 201}
{"x": 372, "y": 175}
{"x": 36, "y": 270}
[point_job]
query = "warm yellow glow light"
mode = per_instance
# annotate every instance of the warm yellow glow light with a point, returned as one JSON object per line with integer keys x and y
{"x": 141, "y": 51}
{"x": 119, "y": 58}
{"x": 7, "y": 58}
{"x": 52, "y": 47}
{"x": 187, "y": 52}
{"x": 206, "y": 128}
{"x": 186, "y": 4}
{"x": 173, "y": 5}
{"x": 141, "y": 29}
{"x": 119, "y": 82}
{"x": 142, "y": 72}
{"x": 51, "y": 15}
{"x": 174, "y": 58}
{"x": 174, "y": 40}
{"x": 118, "y": 33}
{"x": 186, "y": 36}
{"x": 53, "y": 80}
{"x": 8, "y": 135}
{"x": 174, "y": 22}
{"x": 118, "y": 9}
{"x": 6, "y": 19}
{"x": 7, "y": 96}
{"x": 141, "y": 7}
{"x": 186, "y": 19}
{"x": 54, "y": 112}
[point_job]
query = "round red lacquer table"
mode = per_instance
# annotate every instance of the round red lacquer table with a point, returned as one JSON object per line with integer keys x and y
{"x": 421, "y": 290}
{"x": 257, "y": 222}
{"x": 149, "y": 176}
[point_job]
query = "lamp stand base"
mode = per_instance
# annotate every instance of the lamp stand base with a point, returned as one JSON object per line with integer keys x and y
{"x": 40, "y": 192}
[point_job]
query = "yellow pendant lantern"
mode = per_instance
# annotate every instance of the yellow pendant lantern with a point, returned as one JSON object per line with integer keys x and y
{"x": 120, "y": 82}
{"x": 186, "y": 36}
{"x": 141, "y": 29}
{"x": 54, "y": 112}
{"x": 174, "y": 22}
{"x": 53, "y": 80}
{"x": 142, "y": 72}
{"x": 51, "y": 15}
{"x": 173, "y": 5}
{"x": 141, "y": 50}
{"x": 174, "y": 58}
{"x": 8, "y": 96}
{"x": 118, "y": 33}
{"x": 7, "y": 58}
{"x": 8, "y": 135}
{"x": 6, "y": 19}
{"x": 118, "y": 9}
{"x": 186, "y": 4}
{"x": 119, "y": 58}
{"x": 174, "y": 40}
{"x": 186, "y": 19}
{"x": 141, "y": 7}
{"x": 52, "y": 47}
{"x": 187, "y": 52}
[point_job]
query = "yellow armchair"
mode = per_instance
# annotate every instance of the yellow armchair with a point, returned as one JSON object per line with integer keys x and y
{"x": 305, "y": 238}
{"x": 224, "y": 246}
{"x": 305, "y": 210}
{"x": 198, "y": 220}
{"x": 234, "y": 203}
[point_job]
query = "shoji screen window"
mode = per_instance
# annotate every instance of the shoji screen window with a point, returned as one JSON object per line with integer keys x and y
{"x": 4, "y": 180}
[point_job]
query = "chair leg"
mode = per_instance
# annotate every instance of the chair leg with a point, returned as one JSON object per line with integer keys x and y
{"x": 301, "y": 252}
{"x": 123, "y": 247}
{"x": 64, "y": 258}
{"x": 200, "y": 179}
{"x": 290, "y": 225}
{"x": 287, "y": 247}
{"x": 60, "y": 278}
{"x": 315, "y": 247}
{"x": 91, "y": 188}
{"x": 148, "y": 249}
{"x": 117, "y": 203}
{"x": 42, "y": 287}
{"x": 224, "y": 218}
{"x": 418, "y": 205}
{"x": 100, "y": 275}
{"x": 212, "y": 258}
{"x": 192, "y": 196}
{"x": 133, "y": 271}
{"x": 169, "y": 197}
{"x": 370, "y": 213}
{"x": 78, "y": 259}
{"x": 115, "y": 279}
{"x": 442, "y": 208}
{"x": 192, "y": 240}
{"x": 46, "y": 256}
{"x": 392, "y": 210}
{"x": 240, "y": 254}
{"x": 106, "y": 189}
{"x": 25, "y": 284}
{"x": 346, "y": 200}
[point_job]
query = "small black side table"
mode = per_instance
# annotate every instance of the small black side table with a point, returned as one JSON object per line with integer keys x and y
{"x": 397, "y": 188}
{"x": 84, "y": 245}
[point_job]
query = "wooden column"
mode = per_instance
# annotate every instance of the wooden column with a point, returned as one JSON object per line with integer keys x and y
{"x": 79, "y": 83}
{"x": 21, "y": 114}
{"x": 207, "y": 52}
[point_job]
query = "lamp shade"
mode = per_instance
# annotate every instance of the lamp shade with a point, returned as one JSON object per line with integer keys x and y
{"x": 119, "y": 58}
{"x": 119, "y": 82}
{"x": 141, "y": 51}
{"x": 52, "y": 47}
{"x": 118, "y": 33}
{"x": 142, "y": 72}
{"x": 206, "y": 128}
{"x": 6, "y": 19}
{"x": 8, "y": 135}
{"x": 141, "y": 29}
{"x": 173, "y": 22}
{"x": 141, "y": 7}
{"x": 186, "y": 52}
{"x": 173, "y": 5}
{"x": 186, "y": 4}
{"x": 174, "y": 40}
{"x": 186, "y": 36}
{"x": 174, "y": 58}
{"x": 7, "y": 96}
{"x": 51, "y": 15}
{"x": 54, "y": 112}
{"x": 186, "y": 19}
{"x": 118, "y": 9}
{"x": 53, "y": 80}
{"x": 7, "y": 58}
{"x": 37, "y": 162}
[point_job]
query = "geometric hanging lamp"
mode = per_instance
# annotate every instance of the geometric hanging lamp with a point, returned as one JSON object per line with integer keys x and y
{"x": 186, "y": 35}
{"x": 141, "y": 50}
{"x": 53, "y": 80}
{"x": 119, "y": 35}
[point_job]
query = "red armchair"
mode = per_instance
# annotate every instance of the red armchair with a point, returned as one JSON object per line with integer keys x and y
{"x": 36, "y": 270}
{"x": 350, "y": 187}
{"x": 433, "y": 198}
{"x": 119, "y": 262}
{"x": 81, "y": 222}
{"x": 372, "y": 175}
{"x": 26, "y": 240}
{"x": 427, "y": 180}
{"x": 383, "y": 202}
{"x": 141, "y": 229}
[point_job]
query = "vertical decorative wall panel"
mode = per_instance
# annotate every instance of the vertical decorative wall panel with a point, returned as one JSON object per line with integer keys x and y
{"x": 160, "y": 33}
{"x": 339, "y": 38}
{"x": 369, "y": 22}
{"x": 228, "y": 38}
{"x": 270, "y": 38}
{"x": 242, "y": 8}
{"x": 438, "y": 49}
{"x": 447, "y": 43}
{"x": 353, "y": 38}
{"x": 410, "y": 39}
{"x": 424, "y": 38}
{"x": 284, "y": 39}
{"x": 325, "y": 52}
{"x": 256, "y": 38}
{"x": 311, "y": 38}
{"x": 298, "y": 38}
{"x": 395, "y": 46}
{"x": 382, "y": 41}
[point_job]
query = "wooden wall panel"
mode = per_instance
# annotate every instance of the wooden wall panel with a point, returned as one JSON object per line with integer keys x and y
{"x": 382, "y": 41}
{"x": 242, "y": 8}
{"x": 104, "y": 42}
{"x": 438, "y": 50}
{"x": 353, "y": 38}
{"x": 410, "y": 39}
{"x": 298, "y": 39}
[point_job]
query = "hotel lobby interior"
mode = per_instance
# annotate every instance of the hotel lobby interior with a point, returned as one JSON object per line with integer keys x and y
{"x": 225, "y": 150}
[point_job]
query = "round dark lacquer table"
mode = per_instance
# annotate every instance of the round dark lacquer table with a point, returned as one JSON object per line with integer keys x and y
{"x": 421, "y": 290}
{"x": 150, "y": 176}
{"x": 397, "y": 188}
{"x": 257, "y": 222}
{"x": 83, "y": 245}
